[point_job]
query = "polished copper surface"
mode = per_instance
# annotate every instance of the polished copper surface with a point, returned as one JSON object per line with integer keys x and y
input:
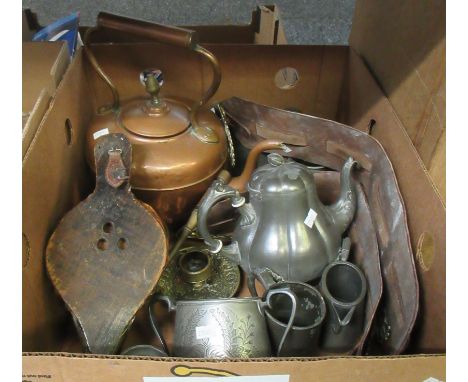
{"x": 141, "y": 118}
{"x": 178, "y": 145}
{"x": 184, "y": 38}
{"x": 170, "y": 163}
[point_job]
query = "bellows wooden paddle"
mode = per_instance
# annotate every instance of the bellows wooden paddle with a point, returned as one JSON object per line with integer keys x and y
{"x": 106, "y": 255}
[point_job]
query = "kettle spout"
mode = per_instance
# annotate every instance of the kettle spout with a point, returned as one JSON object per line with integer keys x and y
{"x": 343, "y": 210}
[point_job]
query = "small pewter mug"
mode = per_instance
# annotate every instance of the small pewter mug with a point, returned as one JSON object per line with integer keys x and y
{"x": 303, "y": 337}
{"x": 344, "y": 288}
{"x": 223, "y": 328}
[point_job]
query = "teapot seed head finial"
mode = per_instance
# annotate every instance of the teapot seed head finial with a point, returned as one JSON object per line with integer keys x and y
{"x": 275, "y": 159}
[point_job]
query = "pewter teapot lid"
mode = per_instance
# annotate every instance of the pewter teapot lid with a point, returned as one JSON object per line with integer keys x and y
{"x": 280, "y": 175}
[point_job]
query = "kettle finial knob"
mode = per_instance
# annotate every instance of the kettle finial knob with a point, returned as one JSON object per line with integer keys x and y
{"x": 275, "y": 159}
{"x": 152, "y": 80}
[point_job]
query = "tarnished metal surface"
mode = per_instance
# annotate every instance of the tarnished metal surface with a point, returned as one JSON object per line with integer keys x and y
{"x": 273, "y": 231}
{"x": 107, "y": 253}
{"x": 224, "y": 328}
{"x": 364, "y": 248}
{"x": 194, "y": 274}
{"x": 329, "y": 143}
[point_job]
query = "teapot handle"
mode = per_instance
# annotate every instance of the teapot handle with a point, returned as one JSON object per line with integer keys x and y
{"x": 218, "y": 190}
{"x": 170, "y": 35}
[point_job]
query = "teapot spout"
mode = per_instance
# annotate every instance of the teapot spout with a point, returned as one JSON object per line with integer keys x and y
{"x": 343, "y": 210}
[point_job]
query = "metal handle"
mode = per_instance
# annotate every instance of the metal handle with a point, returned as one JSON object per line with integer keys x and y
{"x": 287, "y": 291}
{"x": 343, "y": 253}
{"x": 267, "y": 278}
{"x": 154, "y": 323}
{"x": 191, "y": 225}
{"x": 184, "y": 38}
{"x": 219, "y": 190}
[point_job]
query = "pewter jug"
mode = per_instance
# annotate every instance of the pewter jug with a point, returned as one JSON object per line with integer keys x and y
{"x": 344, "y": 288}
{"x": 285, "y": 227}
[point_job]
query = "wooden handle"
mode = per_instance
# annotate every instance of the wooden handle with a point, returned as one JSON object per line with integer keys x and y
{"x": 184, "y": 38}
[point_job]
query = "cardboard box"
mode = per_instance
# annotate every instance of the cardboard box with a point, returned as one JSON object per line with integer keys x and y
{"x": 334, "y": 83}
{"x": 44, "y": 64}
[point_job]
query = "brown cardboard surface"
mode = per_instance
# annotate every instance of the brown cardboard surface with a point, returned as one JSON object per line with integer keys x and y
{"x": 270, "y": 28}
{"x": 70, "y": 368}
{"x": 54, "y": 180}
{"x": 425, "y": 209}
{"x": 403, "y": 42}
{"x": 33, "y": 117}
{"x": 248, "y": 72}
{"x": 43, "y": 66}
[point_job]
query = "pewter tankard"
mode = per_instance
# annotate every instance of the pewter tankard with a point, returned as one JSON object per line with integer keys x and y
{"x": 223, "y": 328}
{"x": 302, "y": 340}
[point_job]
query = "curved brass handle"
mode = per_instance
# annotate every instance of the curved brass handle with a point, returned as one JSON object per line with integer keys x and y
{"x": 98, "y": 69}
{"x": 168, "y": 35}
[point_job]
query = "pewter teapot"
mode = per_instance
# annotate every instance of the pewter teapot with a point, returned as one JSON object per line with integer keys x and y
{"x": 284, "y": 232}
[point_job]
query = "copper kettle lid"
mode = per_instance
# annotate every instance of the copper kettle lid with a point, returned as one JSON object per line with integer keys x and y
{"x": 154, "y": 117}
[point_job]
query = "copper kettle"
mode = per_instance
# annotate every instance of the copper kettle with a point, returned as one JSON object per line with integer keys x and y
{"x": 178, "y": 146}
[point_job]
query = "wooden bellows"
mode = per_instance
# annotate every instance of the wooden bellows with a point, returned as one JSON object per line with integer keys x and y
{"x": 106, "y": 255}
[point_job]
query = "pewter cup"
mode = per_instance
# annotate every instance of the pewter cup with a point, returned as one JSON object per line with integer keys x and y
{"x": 223, "y": 328}
{"x": 344, "y": 289}
{"x": 303, "y": 337}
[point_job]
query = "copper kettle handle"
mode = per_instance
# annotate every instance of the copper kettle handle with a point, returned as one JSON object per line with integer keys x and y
{"x": 165, "y": 34}
{"x": 183, "y": 38}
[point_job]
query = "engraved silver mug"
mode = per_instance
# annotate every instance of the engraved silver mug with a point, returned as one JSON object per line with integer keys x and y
{"x": 222, "y": 328}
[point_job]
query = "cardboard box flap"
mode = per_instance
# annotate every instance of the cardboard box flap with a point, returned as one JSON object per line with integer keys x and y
{"x": 424, "y": 207}
{"x": 44, "y": 64}
{"x": 403, "y": 43}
